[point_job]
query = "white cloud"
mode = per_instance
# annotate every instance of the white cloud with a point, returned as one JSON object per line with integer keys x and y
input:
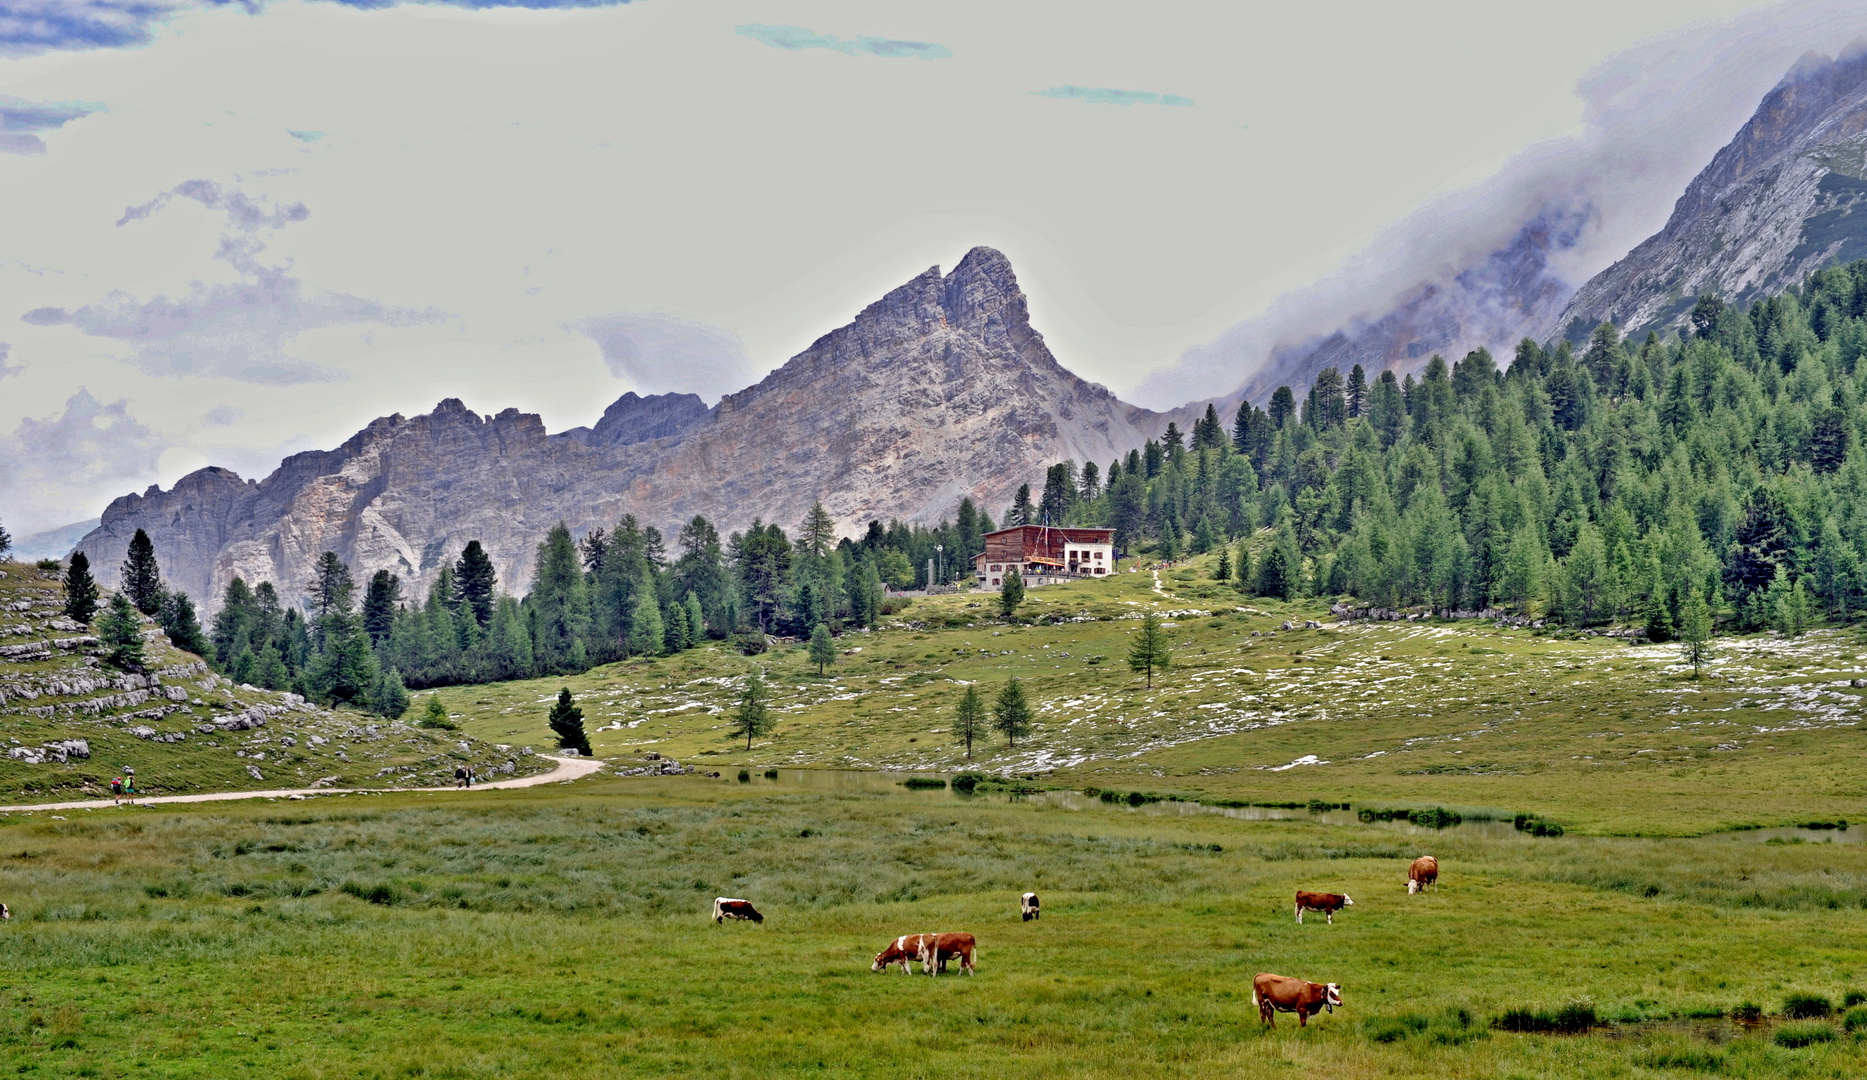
{"x": 48, "y": 465}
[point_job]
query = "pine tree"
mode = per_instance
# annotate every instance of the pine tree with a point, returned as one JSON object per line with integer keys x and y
{"x": 1011, "y": 714}
{"x": 434, "y": 715}
{"x": 268, "y": 671}
{"x": 1150, "y": 651}
{"x": 566, "y": 720}
{"x": 80, "y": 589}
{"x": 817, "y": 534}
{"x": 390, "y": 698}
{"x": 475, "y": 578}
{"x": 122, "y": 633}
{"x": 822, "y": 649}
{"x": 177, "y": 619}
{"x": 675, "y": 619}
{"x": 1011, "y": 593}
{"x": 1203, "y": 538}
{"x": 753, "y": 717}
{"x": 1223, "y": 572}
{"x": 142, "y": 579}
{"x": 696, "y": 620}
{"x": 648, "y": 636}
{"x": 559, "y": 605}
{"x": 1243, "y": 569}
{"x": 969, "y": 720}
{"x": 1169, "y": 547}
{"x": 380, "y": 602}
{"x": 333, "y": 588}
{"x": 6, "y": 541}
{"x": 1274, "y": 577}
{"x": 1022, "y": 512}
{"x": 1694, "y": 631}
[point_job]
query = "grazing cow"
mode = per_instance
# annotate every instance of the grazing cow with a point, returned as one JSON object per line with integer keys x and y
{"x": 1326, "y": 902}
{"x": 1423, "y": 873}
{"x": 936, "y": 949}
{"x": 5, "y": 912}
{"x": 1027, "y": 906}
{"x": 1275, "y": 993}
{"x": 725, "y": 908}
{"x": 901, "y": 950}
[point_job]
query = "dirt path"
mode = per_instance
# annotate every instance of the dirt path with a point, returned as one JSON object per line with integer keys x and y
{"x": 569, "y": 768}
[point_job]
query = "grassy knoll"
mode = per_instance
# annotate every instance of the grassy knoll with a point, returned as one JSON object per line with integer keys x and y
{"x": 562, "y": 933}
{"x": 1597, "y": 734}
{"x": 183, "y": 728}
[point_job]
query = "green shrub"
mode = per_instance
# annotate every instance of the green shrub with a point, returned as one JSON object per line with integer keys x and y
{"x": 1683, "y": 1057}
{"x": 1748, "y": 1012}
{"x": 967, "y": 781}
{"x": 1856, "y": 1019}
{"x": 1437, "y": 817}
{"x": 749, "y": 644}
{"x": 1574, "y": 1018}
{"x": 771, "y": 774}
{"x": 745, "y": 777}
{"x": 1853, "y": 998}
{"x": 380, "y": 893}
{"x": 1796, "y": 1036}
{"x": 1800, "y": 1006}
{"x": 49, "y": 564}
{"x": 924, "y": 783}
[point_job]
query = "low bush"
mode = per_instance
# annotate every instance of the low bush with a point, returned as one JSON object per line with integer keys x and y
{"x": 749, "y": 644}
{"x": 49, "y": 564}
{"x": 1800, "y": 1006}
{"x": 1574, "y": 1018}
{"x": 1536, "y": 826}
{"x": 967, "y": 781}
{"x": 1748, "y": 1012}
{"x": 745, "y": 777}
{"x": 1853, "y": 998}
{"x": 1796, "y": 1036}
{"x": 771, "y": 774}
{"x": 1856, "y": 1019}
{"x": 924, "y": 783}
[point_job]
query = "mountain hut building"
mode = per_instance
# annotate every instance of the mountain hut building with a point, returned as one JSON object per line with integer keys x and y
{"x": 1044, "y": 555}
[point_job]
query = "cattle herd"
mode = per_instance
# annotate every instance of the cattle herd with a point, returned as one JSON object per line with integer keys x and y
{"x": 1272, "y": 994}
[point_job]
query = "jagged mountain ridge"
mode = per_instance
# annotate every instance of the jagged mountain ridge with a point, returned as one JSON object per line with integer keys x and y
{"x": 1787, "y": 196}
{"x": 940, "y": 389}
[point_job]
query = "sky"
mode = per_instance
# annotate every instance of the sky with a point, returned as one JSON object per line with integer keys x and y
{"x": 241, "y": 230}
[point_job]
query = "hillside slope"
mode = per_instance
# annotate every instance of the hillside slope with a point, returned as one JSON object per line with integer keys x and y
{"x": 69, "y": 723}
{"x": 940, "y": 390}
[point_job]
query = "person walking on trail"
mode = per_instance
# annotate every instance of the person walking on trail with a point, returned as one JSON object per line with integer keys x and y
{"x": 460, "y": 776}
{"x": 129, "y": 785}
{"x": 116, "y": 790}
{"x": 469, "y": 776}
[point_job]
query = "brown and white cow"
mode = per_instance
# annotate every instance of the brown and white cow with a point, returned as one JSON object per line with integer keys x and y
{"x": 1277, "y": 993}
{"x": 901, "y": 950}
{"x": 727, "y": 908}
{"x": 1423, "y": 873}
{"x": 1326, "y": 902}
{"x": 937, "y": 949}
{"x": 1027, "y": 906}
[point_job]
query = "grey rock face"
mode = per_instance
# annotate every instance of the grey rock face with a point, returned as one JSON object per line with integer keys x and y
{"x": 1785, "y": 197}
{"x": 941, "y": 389}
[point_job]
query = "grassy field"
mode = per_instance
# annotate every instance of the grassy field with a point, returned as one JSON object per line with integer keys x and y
{"x": 562, "y": 932}
{"x": 1603, "y": 736}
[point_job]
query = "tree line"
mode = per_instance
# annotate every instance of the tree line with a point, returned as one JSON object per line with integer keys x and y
{"x": 1610, "y": 480}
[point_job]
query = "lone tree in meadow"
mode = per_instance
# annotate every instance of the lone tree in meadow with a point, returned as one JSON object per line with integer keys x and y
{"x": 1150, "y": 651}
{"x": 6, "y": 541}
{"x": 1223, "y": 572}
{"x": 142, "y": 579}
{"x": 80, "y": 589}
{"x": 822, "y": 649}
{"x": 1012, "y": 594}
{"x": 1694, "y": 631}
{"x": 566, "y": 721}
{"x": 970, "y": 720}
{"x": 434, "y": 715}
{"x": 753, "y": 717}
{"x": 1012, "y": 713}
{"x": 122, "y": 633}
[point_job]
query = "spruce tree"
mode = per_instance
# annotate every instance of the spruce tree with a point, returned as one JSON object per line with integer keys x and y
{"x": 969, "y": 720}
{"x": 1274, "y": 577}
{"x": 696, "y": 620}
{"x": 1223, "y": 572}
{"x": 177, "y": 619}
{"x": 1011, "y": 714}
{"x": 566, "y": 719}
{"x": 1169, "y": 547}
{"x": 380, "y": 602}
{"x": 675, "y": 620}
{"x": 333, "y": 587}
{"x": 753, "y": 716}
{"x": 1150, "y": 651}
{"x": 822, "y": 649}
{"x": 1010, "y": 593}
{"x": 1243, "y": 569}
{"x": 390, "y": 698}
{"x": 122, "y": 633}
{"x": 80, "y": 589}
{"x": 434, "y": 715}
{"x": 1022, "y": 512}
{"x": 559, "y": 605}
{"x": 142, "y": 579}
{"x": 269, "y": 671}
{"x": 475, "y": 579}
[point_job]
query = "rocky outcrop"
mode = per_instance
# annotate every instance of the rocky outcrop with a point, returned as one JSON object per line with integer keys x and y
{"x": 939, "y": 390}
{"x": 1785, "y": 197}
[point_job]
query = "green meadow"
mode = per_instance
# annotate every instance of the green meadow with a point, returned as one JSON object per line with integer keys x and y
{"x": 563, "y": 932}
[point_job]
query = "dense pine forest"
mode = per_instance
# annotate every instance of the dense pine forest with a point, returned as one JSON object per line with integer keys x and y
{"x": 1713, "y": 479}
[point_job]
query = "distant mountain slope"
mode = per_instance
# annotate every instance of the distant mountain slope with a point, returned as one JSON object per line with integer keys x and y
{"x": 1786, "y": 196}
{"x": 939, "y": 390}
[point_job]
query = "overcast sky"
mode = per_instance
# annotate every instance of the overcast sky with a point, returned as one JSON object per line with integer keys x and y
{"x": 239, "y": 230}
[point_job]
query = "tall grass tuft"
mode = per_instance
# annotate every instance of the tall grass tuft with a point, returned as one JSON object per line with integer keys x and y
{"x": 1801, "y": 1006}
{"x": 1796, "y": 1036}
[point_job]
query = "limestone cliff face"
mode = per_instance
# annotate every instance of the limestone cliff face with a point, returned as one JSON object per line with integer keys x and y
{"x": 939, "y": 390}
{"x": 1785, "y": 197}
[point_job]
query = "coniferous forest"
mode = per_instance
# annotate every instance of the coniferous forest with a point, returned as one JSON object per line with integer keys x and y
{"x": 1713, "y": 479}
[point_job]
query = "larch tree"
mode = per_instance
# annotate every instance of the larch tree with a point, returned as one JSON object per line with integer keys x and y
{"x": 1150, "y": 652}
{"x": 753, "y": 716}
{"x": 822, "y": 649}
{"x": 1694, "y": 632}
{"x": 1011, "y": 714}
{"x": 969, "y": 720}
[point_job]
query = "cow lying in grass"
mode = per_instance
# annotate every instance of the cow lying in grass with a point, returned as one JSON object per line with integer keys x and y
{"x": 1326, "y": 902}
{"x": 901, "y": 950}
{"x": 727, "y": 908}
{"x": 1423, "y": 873}
{"x": 937, "y": 949}
{"x": 1277, "y": 993}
